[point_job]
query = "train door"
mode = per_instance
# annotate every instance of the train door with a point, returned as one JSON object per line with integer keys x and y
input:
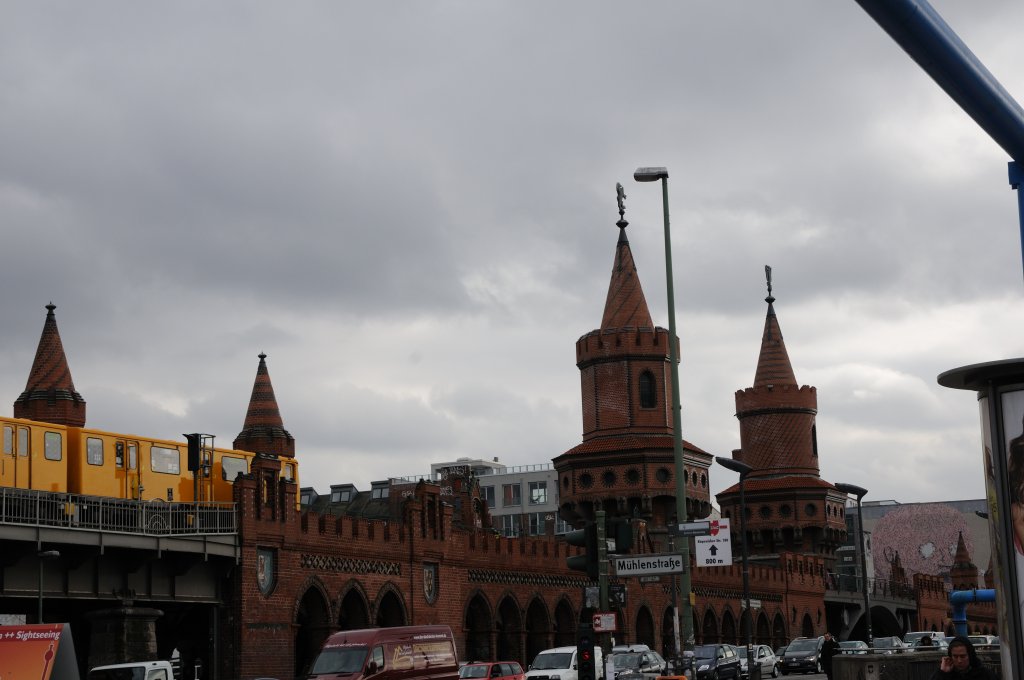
{"x": 126, "y": 460}
{"x": 7, "y": 457}
{"x": 23, "y": 457}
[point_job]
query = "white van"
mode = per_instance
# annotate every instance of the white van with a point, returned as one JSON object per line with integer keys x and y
{"x": 140, "y": 670}
{"x": 560, "y": 664}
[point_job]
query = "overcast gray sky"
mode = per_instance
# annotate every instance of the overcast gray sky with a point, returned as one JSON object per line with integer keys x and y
{"x": 410, "y": 207}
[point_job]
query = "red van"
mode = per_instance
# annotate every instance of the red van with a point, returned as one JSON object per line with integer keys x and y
{"x": 400, "y": 653}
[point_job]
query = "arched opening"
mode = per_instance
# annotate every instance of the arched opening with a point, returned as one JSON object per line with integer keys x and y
{"x": 807, "y": 627}
{"x": 728, "y": 628}
{"x": 645, "y": 627}
{"x": 648, "y": 390}
{"x": 668, "y": 635}
{"x": 779, "y": 636}
{"x": 390, "y": 611}
{"x": 565, "y": 628}
{"x": 538, "y": 629}
{"x": 510, "y": 629}
{"x": 312, "y": 626}
{"x": 763, "y": 634}
{"x": 355, "y": 612}
{"x": 478, "y": 630}
{"x": 709, "y": 630}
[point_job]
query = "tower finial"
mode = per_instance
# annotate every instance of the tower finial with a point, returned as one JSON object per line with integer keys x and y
{"x": 768, "y": 276}
{"x": 620, "y": 195}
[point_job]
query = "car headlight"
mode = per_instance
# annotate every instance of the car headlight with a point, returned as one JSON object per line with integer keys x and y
{"x": 703, "y": 667}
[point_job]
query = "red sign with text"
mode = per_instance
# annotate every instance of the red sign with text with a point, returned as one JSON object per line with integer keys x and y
{"x": 32, "y": 652}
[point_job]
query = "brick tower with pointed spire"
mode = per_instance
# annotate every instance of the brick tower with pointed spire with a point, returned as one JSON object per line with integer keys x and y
{"x": 50, "y": 394}
{"x": 789, "y": 507}
{"x": 625, "y": 464}
{"x": 964, "y": 573}
{"x": 263, "y": 431}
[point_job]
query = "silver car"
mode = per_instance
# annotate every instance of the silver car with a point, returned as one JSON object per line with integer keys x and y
{"x": 763, "y": 657}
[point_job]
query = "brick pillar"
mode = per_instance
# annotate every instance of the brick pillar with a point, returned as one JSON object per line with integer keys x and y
{"x": 123, "y": 634}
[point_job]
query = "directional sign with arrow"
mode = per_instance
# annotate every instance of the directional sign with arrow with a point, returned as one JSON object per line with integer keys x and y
{"x": 715, "y": 549}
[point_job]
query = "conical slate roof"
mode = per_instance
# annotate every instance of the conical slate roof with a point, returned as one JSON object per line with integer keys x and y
{"x": 773, "y": 365}
{"x": 626, "y": 306}
{"x": 50, "y": 394}
{"x": 263, "y": 430}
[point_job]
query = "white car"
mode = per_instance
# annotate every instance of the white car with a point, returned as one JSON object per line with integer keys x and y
{"x": 560, "y": 663}
{"x": 763, "y": 656}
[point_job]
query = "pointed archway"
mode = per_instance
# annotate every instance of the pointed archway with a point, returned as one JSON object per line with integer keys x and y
{"x": 779, "y": 636}
{"x": 709, "y": 629}
{"x": 565, "y": 628}
{"x": 728, "y": 628}
{"x": 390, "y": 609}
{"x": 807, "y": 626}
{"x": 354, "y": 612}
{"x": 538, "y": 629}
{"x": 312, "y": 626}
{"x": 510, "y": 630}
{"x": 478, "y": 629}
{"x": 763, "y": 632}
{"x": 645, "y": 627}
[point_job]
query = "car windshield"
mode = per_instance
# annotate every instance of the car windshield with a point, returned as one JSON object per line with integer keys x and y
{"x": 626, "y": 661}
{"x": 741, "y": 652}
{"x": 807, "y": 645}
{"x": 705, "y": 651}
{"x": 552, "y": 660}
{"x": 339, "y": 660}
{"x": 474, "y": 671}
{"x": 849, "y": 644}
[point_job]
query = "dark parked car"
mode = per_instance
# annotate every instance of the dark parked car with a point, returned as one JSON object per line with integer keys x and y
{"x": 803, "y": 655}
{"x": 714, "y": 662}
{"x": 638, "y": 665}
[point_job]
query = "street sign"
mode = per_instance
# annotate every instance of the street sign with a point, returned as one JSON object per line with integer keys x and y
{"x": 715, "y": 549}
{"x": 604, "y": 622}
{"x": 650, "y": 579}
{"x": 754, "y": 603}
{"x": 693, "y": 528}
{"x": 640, "y": 565}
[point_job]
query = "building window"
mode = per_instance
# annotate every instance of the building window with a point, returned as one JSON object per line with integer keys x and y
{"x": 647, "y": 390}
{"x": 511, "y": 494}
{"x": 538, "y": 493}
{"x": 537, "y": 523}
{"x": 510, "y": 526}
{"x": 488, "y": 494}
{"x": 379, "y": 492}
{"x": 561, "y": 526}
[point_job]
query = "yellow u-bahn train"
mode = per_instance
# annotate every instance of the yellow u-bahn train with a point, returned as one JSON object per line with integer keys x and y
{"x": 58, "y": 458}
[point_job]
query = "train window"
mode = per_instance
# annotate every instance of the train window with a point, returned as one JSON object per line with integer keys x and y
{"x": 133, "y": 456}
{"x": 119, "y": 454}
{"x": 231, "y": 467}
{"x": 53, "y": 446}
{"x": 23, "y": 447}
{"x": 165, "y": 460}
{"x": 289, "y": 472}
{"x": 94, "y": 450}
{"x": 8, "y": 440}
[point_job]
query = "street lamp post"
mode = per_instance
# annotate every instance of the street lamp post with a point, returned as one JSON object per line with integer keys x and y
{"x": 860, "y": 492}
{"x": 43, "y": 555}
{"x": 743, "y": 469}
{"x": 653, "y": 174}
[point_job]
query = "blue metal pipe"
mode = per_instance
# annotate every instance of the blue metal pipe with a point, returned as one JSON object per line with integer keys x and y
{"x": 928, "y": 39}
{"x": 959, "y": 599}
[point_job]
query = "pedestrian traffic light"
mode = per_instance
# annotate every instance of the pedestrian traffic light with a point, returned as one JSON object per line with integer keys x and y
{"x": 585, "y": 538}
{"x": 620, "y": 530}
{"x": 586, "y": 664}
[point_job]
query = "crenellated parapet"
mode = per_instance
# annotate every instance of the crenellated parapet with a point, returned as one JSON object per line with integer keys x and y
{"x": 784, "y": 397}
{"x": 619, "y": 343}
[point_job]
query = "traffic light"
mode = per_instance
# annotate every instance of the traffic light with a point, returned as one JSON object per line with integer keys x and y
{"x": 620, "y": 530}
{"x": 194, "y": 449}
{"x": 585, "y": 538}
{"x": 585, "y": 660}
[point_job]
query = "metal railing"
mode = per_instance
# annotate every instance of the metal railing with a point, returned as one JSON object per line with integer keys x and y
{"x": 879, "y": 588}
{"x": 98, "y": 513}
